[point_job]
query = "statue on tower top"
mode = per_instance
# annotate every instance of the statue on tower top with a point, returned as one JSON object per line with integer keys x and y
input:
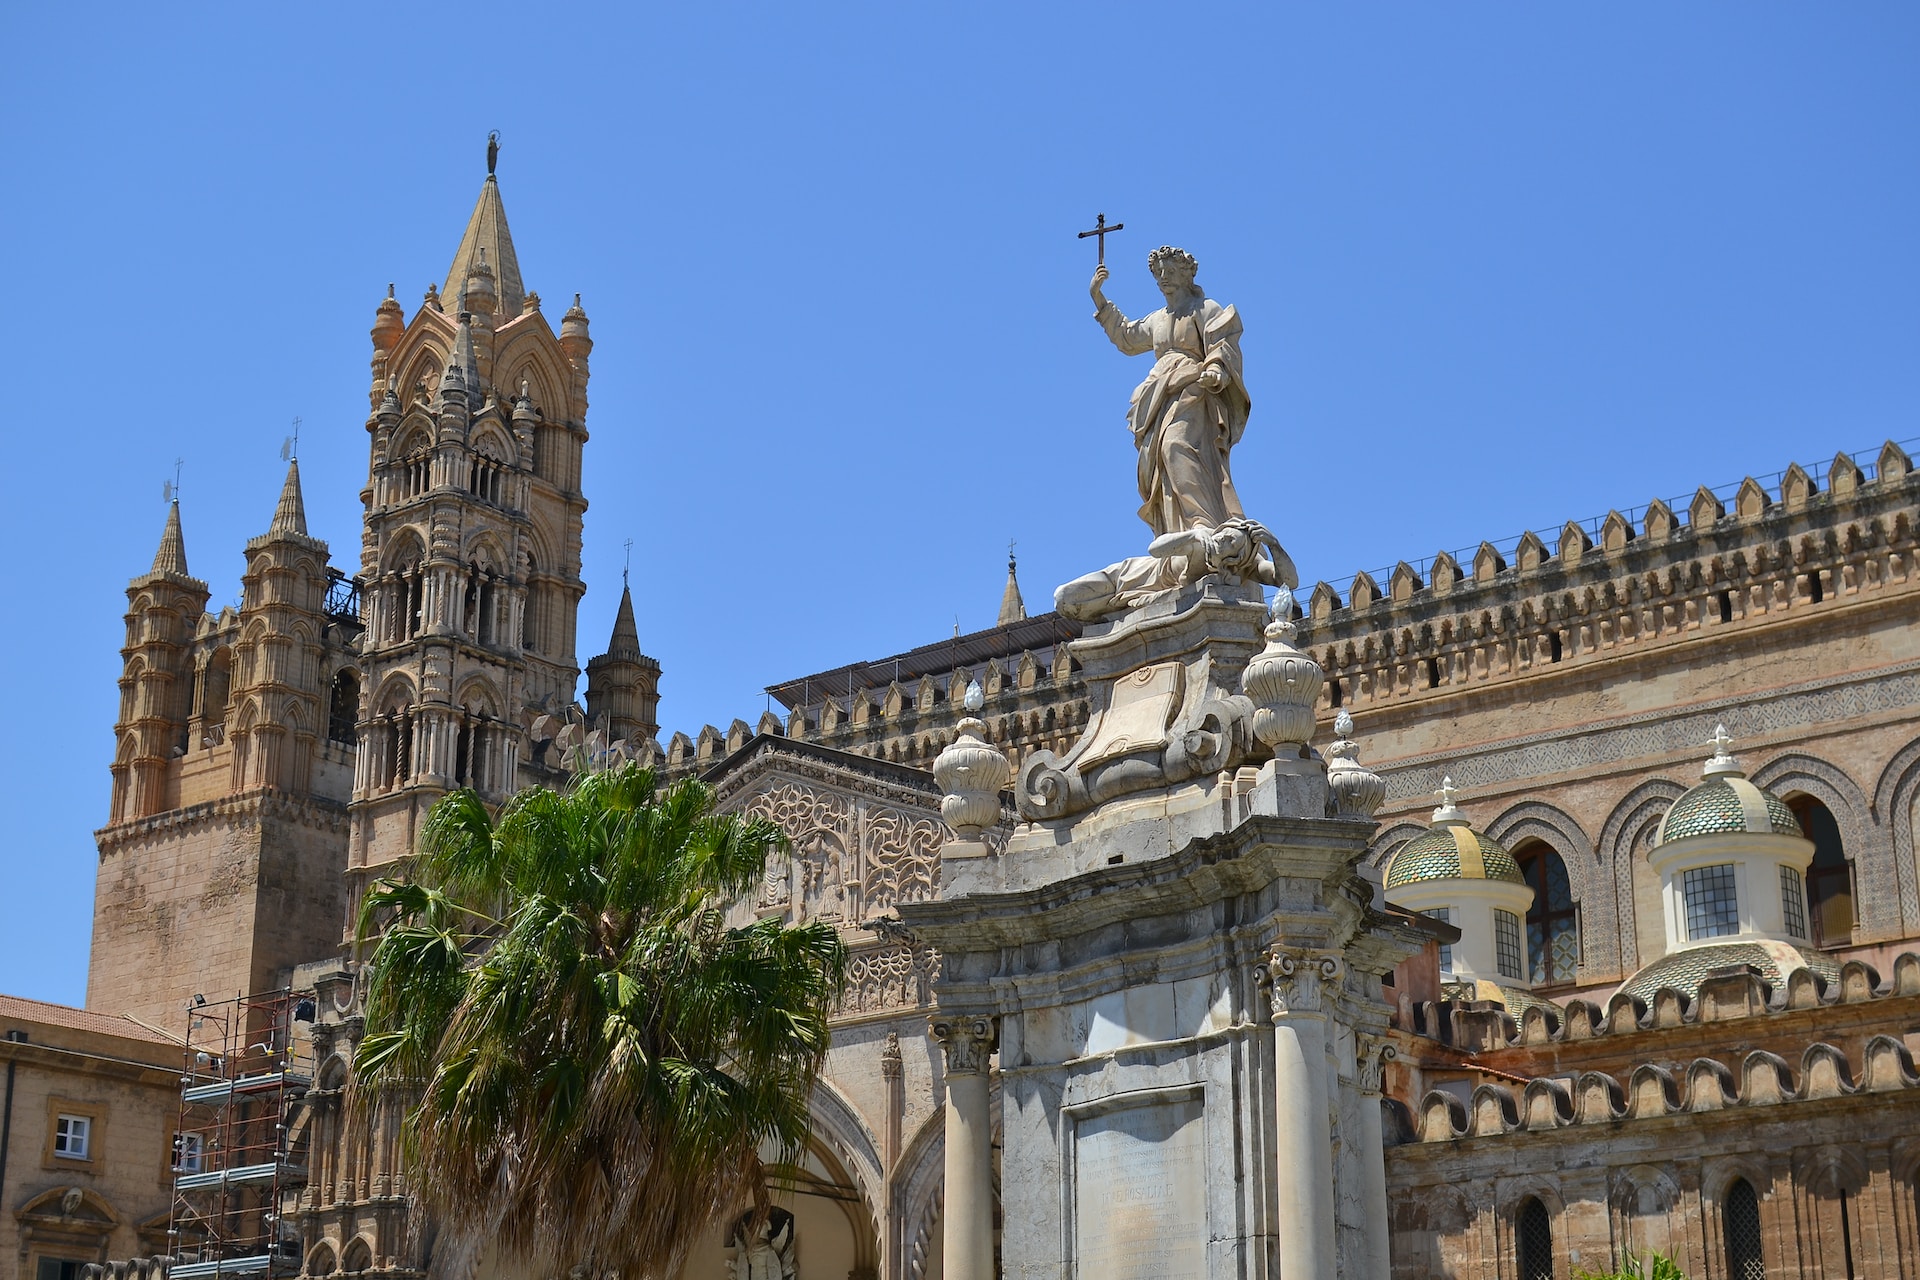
{"x": 1192, "y": 408}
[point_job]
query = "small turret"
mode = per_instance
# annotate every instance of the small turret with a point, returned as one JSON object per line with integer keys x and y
{"x": 389, "y": 322}
{"x": 156, "y": 683}
{"x": 623, "y": 684}
{"x": 278, "y": 664}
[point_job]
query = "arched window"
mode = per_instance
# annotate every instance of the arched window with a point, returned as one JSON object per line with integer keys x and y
{"x": 1533, "y": 1241}
{"x": 1553, "y": 922}
{"x": 344, "y": 709}
{"x": 215, "y": 688}
{"x": 1740, "y": 1224}
{"x": 1830, "y": 878}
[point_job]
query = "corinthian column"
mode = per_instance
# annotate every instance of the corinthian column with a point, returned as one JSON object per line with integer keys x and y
{"x": 1303, "y": 1130}
{"x": 1372, "y": 1155}
{"x": 967, "y": 1220}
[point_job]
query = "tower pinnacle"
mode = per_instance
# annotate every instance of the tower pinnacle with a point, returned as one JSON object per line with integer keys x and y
{"x": 1012, "y": 607}
{"x": 487, "y": 229}
{"x": 290, "y": 514}
{"x": 172, "y": 555}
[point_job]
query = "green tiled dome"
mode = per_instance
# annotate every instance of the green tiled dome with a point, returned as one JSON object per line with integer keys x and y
{"x": 1684, "y": 970}
{"x": 1451, "y": 852}
{"x": 1724, "y": 804}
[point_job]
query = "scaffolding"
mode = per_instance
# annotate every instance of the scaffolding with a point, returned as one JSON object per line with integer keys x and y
{"x": 234, "y": 1176}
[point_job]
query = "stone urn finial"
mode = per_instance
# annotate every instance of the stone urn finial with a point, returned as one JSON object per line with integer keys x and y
{"x": 971, "y": 773}
{"x": 1356, "y": 791}
{"x": 1283, "y": 682}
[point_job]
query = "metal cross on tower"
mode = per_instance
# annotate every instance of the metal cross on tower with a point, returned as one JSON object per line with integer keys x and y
{"x": 1101, "y": 230}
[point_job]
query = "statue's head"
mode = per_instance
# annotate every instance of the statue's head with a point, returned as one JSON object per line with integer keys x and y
{"x": 1173, "y": 269}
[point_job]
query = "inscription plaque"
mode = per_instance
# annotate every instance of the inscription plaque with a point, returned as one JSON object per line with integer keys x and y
{"x": 1140, "y": 1193}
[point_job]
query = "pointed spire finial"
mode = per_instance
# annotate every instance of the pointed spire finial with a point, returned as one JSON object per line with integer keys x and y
{"x": 172, "y": 555}
{"x": 290, "y": 513}
{"x": 628, "y": 544}
{"x": 1012, "y": 607}
{"x": 1448, "y": 813}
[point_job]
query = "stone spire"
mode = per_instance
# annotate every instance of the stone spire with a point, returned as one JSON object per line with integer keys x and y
{"x": 290, "y": 515}
{"x": 625, "y": 643}
{"x": 1012, "y": 607}
{"x": 487, "y": 230}
{"x": 172, "y": 555}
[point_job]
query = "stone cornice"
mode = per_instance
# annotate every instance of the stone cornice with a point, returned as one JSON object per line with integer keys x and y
{"x": 1247, "y": 859}
{"x": 261, "y": 803}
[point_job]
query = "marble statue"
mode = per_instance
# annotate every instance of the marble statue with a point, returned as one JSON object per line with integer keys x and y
{"x": 1192, "y": 408}
{"x": 764, "y": 1252}
{"x": 1176, "y": 559}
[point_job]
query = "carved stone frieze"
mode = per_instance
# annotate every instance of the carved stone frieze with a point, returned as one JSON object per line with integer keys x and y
{"x": 889, "y": 977}
{"x": 849, "y": 856}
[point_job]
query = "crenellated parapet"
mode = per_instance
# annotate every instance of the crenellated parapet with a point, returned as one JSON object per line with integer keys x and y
{"x": 1654, "y": 1091}
{"x": 1621, "y": 584}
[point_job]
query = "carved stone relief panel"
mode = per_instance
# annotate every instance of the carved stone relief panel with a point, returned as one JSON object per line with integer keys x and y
{"x": 888, "y": 977}
{"x": 902, "y": 857}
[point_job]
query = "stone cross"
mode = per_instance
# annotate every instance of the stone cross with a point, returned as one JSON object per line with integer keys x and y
{"x": 1102, "y": 230}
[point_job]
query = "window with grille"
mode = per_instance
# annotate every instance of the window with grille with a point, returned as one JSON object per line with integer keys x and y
{"x": 70, "y": 1136}
{"x": 1740, "y": 1222}
{"x": 1445, "y": 916}
{"x": 1553, "y": 923}
{"x": 1793, "y": 904}
{"x": 1533, "y": 1242}
{"x": 1713, "y": 904}
{"x": 1507, "y": 956}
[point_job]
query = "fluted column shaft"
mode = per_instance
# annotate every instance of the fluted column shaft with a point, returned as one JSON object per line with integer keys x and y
{"x": 1372, "y": 1156}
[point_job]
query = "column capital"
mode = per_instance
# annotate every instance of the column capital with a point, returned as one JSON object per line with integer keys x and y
{"x": 1295, "y": 980}
{"x": 1373, "y": 1053}
{"x": 967, "y": 1043}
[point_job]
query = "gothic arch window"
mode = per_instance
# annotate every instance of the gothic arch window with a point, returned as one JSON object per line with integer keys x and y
{"x": 1740, "y": 1227}
{"x": 358, "y": 1256}
{"x": 343, "y": 708}
{"x": 1553, "y": 922}
{"x": 413, "y": 466}
{"x": 487, "y": 479}
{"x": 402, "y": 586}
{"x": 1533, "y": 1241}
{"x": 216, "y": 687}
{"x": 129, "y": 687}
{"x": 1829, "y": 881}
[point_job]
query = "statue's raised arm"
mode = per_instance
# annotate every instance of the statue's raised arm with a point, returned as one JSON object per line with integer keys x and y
{"x": 1192, "y": 409}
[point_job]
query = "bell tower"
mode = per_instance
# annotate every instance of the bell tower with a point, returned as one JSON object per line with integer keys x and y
{"x": 470, "y": 547}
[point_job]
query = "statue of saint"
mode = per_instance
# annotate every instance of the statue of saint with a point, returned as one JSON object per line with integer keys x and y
{"x": 764, "y": 1252}
{"x": 1192, "y": 408}
{"x": 1174, "y": 560}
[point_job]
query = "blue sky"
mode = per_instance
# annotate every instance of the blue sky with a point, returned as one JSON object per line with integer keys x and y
{"x": 1499, "y": 266}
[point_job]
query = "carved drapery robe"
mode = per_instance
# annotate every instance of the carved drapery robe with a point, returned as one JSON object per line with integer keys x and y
{"x": 1183, "y": 431}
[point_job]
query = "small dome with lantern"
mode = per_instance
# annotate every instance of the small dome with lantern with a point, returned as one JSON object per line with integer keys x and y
{"x": 1451, "y": 850}
{"x": 1725, "y": 802}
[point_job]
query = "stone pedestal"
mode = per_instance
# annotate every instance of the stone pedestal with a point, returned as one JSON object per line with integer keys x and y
{"x": 1175, "y": 1036}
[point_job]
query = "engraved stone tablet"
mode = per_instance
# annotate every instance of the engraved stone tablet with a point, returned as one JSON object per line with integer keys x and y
{"x": 1139, "y": 1193}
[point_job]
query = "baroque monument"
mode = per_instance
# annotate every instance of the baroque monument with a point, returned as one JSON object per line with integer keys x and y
{"x": 1159, "y": 964}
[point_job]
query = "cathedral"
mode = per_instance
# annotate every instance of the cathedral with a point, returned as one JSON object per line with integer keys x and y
{"x": 1494, "y": 917}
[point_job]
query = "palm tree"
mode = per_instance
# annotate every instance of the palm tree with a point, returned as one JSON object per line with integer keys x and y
{"x": 598, "y": 1059}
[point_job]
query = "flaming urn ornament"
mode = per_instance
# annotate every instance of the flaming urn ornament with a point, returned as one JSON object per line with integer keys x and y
{"x": 1283, "y": 683}
{"x": 970, "y": 773}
